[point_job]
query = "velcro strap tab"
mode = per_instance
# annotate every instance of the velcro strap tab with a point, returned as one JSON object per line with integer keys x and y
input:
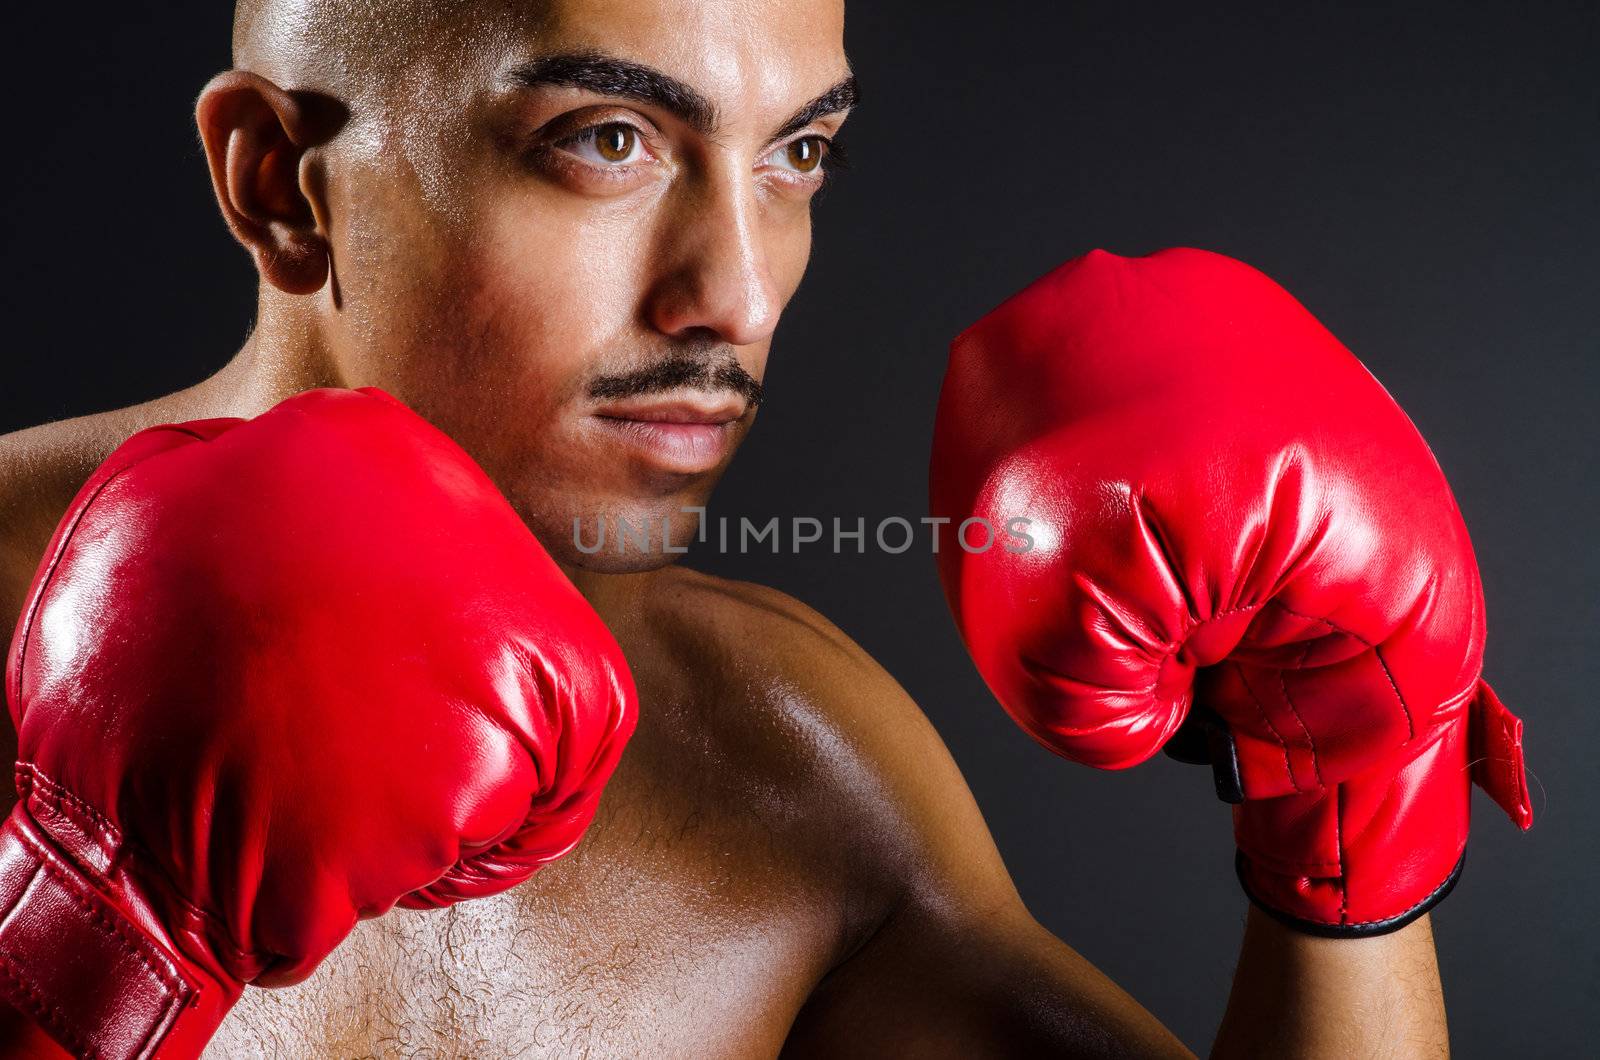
{"x": 1496, "y": 755}
{"x": 69, "y": 959}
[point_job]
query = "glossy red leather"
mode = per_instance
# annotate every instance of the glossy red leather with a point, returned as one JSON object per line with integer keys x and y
{"x": 275, "y": 675}
{"x": 1227, "y": 509}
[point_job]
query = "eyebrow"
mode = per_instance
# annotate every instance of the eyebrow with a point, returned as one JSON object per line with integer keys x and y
{"x": 840, "y": 97}
{"x": 607, "y": 75}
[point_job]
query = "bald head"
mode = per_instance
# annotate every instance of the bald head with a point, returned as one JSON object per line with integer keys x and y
{"x": 349, "y": 48}
{"x": 432, "y": 196}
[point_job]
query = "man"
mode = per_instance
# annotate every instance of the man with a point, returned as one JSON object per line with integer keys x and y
{"x": 564, "y": 233}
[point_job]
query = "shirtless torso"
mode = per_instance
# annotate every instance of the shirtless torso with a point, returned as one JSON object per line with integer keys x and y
{"x": 787, "y": 854}
{"x": 564, "y": 232}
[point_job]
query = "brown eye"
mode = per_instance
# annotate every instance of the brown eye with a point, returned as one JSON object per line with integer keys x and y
{"x": 615, "y": 143}
{"x": 805, "y": 154}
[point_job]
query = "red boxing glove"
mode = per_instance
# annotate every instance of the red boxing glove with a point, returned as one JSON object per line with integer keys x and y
{"x": 1231, "y": 519}
{"x": 274, "y": 676}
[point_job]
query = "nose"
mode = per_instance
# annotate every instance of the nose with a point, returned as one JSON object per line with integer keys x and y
{"x": 714, "y": 269}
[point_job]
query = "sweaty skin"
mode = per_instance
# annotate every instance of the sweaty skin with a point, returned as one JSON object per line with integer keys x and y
{"x": 786, "y": 845}
{"x": 565, "y": 232}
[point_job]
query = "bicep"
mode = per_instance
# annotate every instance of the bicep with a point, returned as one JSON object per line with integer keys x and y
{"x": 936, "y": 982}
{"x": 956, "y": 966}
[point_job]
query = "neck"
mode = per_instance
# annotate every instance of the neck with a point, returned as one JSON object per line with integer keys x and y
{"x": 615, "y": 596}
{"x": 283, "y": 355}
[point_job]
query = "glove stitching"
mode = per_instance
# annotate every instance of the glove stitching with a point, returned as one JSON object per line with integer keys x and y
{"x": 65, "y": 802}
{"x": 135, "y": 942}
{"x": 1411, "y": 726}
{"x": 40, "y": 1008}
{"x": 1377, "y": 650}
{"x": 1164, "y": 653}
{"x": 177, "y": 990}
{"x": 1283, "y": 683}
{"x": 1144, "y": 517}
{"x": 1428, "y": 899}
{"x": 1299, "y": 867}
{"x": 213, "y": 927}
{"x": 1288, "y": 768}
{"x": 1161, "y": 654}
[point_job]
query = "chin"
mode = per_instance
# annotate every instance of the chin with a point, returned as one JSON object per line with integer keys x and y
{"x": 633, "y": 563}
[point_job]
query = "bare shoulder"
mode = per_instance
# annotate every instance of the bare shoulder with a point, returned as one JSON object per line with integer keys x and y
{"x": 763, "y": 631}
{"x": 36, "y": 462}
{"x": 873, "y": 771}
{"x": 41, "y": 470}
{"x": 774, "y": 652}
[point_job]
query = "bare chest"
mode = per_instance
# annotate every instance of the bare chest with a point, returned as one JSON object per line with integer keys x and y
{"x": 686, "y": 924}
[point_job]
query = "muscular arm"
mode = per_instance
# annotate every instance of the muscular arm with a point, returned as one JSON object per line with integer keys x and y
{"x": 960, "y": 968}
{"x": 956, "y": 965}
{"x": 940, "y": 979}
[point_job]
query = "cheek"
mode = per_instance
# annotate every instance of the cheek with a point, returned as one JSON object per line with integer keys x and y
{"x": 509, "y": 347}
{"x": 471, "y": 333}
{"x": 789, "y": 249}
{"x": 560, "y": 286}
{"x": 501, "y": 304}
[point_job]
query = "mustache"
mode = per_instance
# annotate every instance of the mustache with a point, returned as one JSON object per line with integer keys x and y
{"x": 679, "y": 371}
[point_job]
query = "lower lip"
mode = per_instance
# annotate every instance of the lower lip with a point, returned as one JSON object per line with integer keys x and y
{"x": 683, "y": 448}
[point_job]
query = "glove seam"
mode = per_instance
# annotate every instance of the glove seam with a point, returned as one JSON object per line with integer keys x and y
{"x": 40, "y": 1008}
{"x": 1320, "y": 869}
{"x": 65, "y": 802}
{"x": 1375, "y": 647}
{"x": 1347, "y": 929}
{"x": 209, "y": 924}
{"x": 135, "y": 942}
{"x": 1411, "y": 724}
{"x": 1288, "y": 766}
{"x": 1330, "y": 623}
{"x": 1311, "y": 741}
{"x": 177, "y": 990}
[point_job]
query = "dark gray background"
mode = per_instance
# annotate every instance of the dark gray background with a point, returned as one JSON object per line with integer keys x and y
{"x": 1425, "y": 181}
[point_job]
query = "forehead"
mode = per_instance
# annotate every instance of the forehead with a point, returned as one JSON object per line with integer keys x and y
{"x": 748, "y": 57}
